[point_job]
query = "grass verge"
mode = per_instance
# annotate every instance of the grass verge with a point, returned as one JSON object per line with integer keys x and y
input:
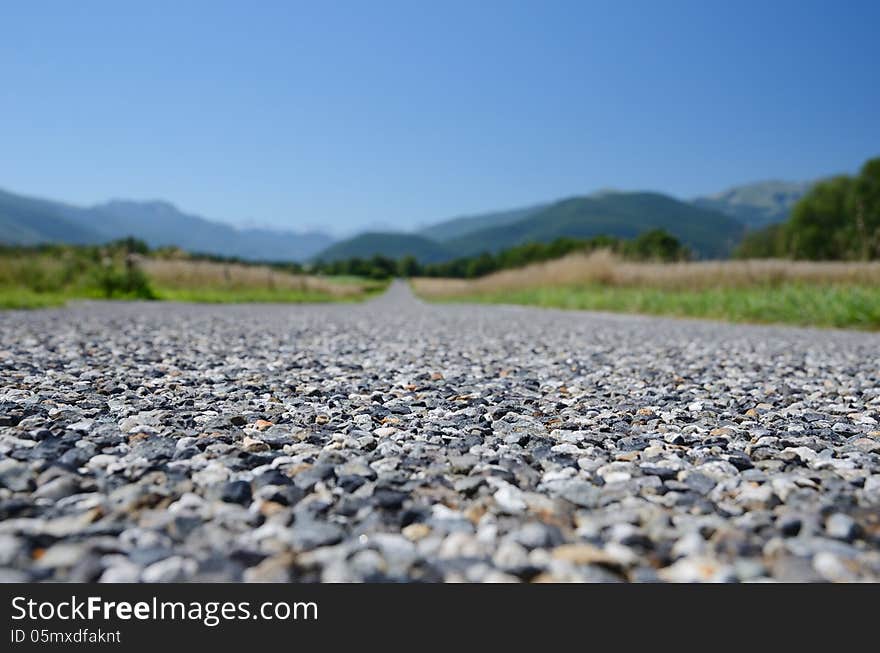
{"x": 261, "y": 295}
{"x": 25, "y": 298}
{"x": 843, "y": 306}
{"x": 50, "y": 275}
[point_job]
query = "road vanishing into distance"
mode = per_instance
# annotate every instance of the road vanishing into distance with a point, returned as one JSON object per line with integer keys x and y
{"x": 398, "y": 440}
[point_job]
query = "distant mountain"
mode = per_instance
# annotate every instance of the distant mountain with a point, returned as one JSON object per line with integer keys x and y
{"x": 160, "y": 223}
{"x": 392, "y": 245}
{"x": 757, "y": 205}
{"x": 461, "y": 226}
{"x": 707, "y": 232}
{"x": 27, "y": 221}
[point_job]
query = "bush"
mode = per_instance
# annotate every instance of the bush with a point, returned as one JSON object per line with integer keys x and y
{"x": 127, "y": 282}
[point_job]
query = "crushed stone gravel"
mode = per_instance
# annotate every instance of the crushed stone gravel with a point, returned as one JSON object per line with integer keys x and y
{"x": 401, "y": 441}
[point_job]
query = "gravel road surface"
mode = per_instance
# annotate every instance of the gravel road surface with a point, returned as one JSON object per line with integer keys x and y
{"x": 402, "y": 441}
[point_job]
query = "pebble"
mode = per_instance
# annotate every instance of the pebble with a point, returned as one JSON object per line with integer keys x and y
{"x": 313, "y": 534}
{"x": 169, "y": 570}
{"x": 11, "y": 549}
{"x": 834, "y": 569}
{"x": 253, "y": 445}
{"x": 16, "y": 476}
{"x": 236, "y": 492}
{"x": 842, "y": 527}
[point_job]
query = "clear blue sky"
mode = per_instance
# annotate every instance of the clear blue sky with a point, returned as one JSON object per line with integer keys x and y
{"x": 351, "y": 114}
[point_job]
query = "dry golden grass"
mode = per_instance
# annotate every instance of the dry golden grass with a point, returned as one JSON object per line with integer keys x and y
{"x": 603, "y": 267}
{"x": 207, "y": 275}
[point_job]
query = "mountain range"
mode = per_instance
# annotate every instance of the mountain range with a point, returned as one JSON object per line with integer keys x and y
{"x": 391, "y": 244}
{"x": 711, "y": 226}
{"x": 707, "y": 232}
{"x": 29, "y": 221}
{"x": 757, "y": 205}
{"x": 462, "y": 226}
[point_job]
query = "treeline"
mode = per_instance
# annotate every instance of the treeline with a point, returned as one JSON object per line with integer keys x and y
{"x": 655, "y": 245}
{"x": 839, "y": 219}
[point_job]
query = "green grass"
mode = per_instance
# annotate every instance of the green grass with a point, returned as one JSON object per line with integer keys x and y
{"x": 22, "y": 297}
{"x": 350, "y": 279}
{"x": 253, "y": 295}
{"x": 25, "y": 298}
{"x": 806, "y": 305}
{"x": 17, "y": 297}
{"x": 43, "y": 276}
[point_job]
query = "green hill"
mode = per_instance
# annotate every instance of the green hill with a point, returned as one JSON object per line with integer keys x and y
{"x": 391, "y": 245}
{"x": 461, "y": 226}
{"x": 757, "y": 205}
{"x": 707, "y": 233}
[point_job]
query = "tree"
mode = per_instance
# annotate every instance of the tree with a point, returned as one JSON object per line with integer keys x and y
{"x": 763, "y": 243}
{"x": 381, "y": 267}
{"x": 481, "y": 265}
{"x": 656, "y": 245}
{"x": 866, "y": 209}
{"x": 131, "y": 245}
{"x": 822, "y": 224}
{"x": 838, "y": 219}
{"x": 408, "y": 267}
